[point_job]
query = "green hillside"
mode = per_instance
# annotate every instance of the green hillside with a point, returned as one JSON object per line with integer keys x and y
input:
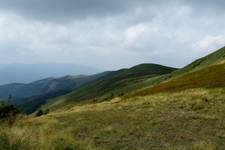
{"x": 208, "y": 60}
{"x": 209, "y": 77}
{"x": 211, "y": 59}
{"x": 206, "y": 72}
{"x": 115, "y": 83}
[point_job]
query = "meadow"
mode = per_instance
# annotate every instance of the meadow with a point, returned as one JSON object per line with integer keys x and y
{"x": 191, "y": 119}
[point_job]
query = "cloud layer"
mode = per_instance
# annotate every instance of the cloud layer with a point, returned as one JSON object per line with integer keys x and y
{"x": 109, "y": 34}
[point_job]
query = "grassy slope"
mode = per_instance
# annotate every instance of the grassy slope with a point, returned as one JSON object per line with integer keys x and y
{"x": 192, "y": 120}
{"x": 206, "y": 61}
{"x": 206, "y": 72}
{"x": 115, "y": 82}
{"x": 209, "y": 77}
{"x": 209, "y": 60}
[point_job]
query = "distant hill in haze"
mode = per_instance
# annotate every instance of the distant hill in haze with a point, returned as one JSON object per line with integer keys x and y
{"x": 25, "y": 73}
{"x": 35, "y": 94}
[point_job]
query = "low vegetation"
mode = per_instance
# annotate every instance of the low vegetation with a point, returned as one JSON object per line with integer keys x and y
{"x": 8, "y": 112}
{"x": 191, "y": 119}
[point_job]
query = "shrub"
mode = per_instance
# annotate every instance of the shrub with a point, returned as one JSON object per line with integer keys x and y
{"x": 8, "y": 112}
{"x": 39, "y": 113}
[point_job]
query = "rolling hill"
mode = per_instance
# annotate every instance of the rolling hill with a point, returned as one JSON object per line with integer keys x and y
{"x": 114, "y": 83}
{"x": 214, "y": 58}
{"x": 206, "y": 72}
{"x": 209, "y": 77}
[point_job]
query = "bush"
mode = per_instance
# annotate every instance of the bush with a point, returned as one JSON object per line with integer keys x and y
{"x": 8, "y": 112}
{"x": 41, "y": 112}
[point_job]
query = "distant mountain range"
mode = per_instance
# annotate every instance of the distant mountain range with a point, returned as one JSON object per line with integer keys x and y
{"x": 36, "y": 93}
{"x": 25, "y": 73}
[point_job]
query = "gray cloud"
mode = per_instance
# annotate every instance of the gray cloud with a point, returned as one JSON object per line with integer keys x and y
{"x": 110, "y": 34}
{"x": 69, "y": 9}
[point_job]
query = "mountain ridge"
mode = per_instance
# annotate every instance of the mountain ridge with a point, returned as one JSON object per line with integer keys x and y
{"x": 115, "y": 83}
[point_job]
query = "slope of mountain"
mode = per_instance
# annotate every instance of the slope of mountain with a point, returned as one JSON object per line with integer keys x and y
{"x": 115, "y": 83}
{"x": 32, "y": 95}
{"x": 26, "y": 73}
{"x": 214, "y": 58}
{"x": 206, "y": 72}
{"x": 211, "y": 59}
{"x": 209, "y": 77}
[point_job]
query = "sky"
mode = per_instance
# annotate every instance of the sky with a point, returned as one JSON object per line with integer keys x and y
{"x": 110, "y": 34}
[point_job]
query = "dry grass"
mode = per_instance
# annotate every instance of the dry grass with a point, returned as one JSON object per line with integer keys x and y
{"x": 192, "y": 119}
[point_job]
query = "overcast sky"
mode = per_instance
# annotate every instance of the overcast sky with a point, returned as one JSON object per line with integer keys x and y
{"x": 110, "y": 34}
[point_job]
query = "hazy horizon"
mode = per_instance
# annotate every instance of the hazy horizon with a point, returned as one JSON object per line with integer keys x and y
{"x": 26, "y": 73}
